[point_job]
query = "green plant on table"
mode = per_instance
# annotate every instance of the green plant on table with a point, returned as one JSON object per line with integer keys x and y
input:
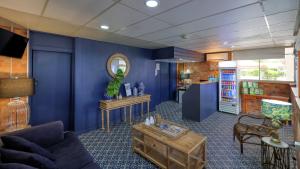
{"x": 114, "y": 85}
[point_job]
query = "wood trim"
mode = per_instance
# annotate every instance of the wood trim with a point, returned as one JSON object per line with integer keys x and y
{"x": 298, "y": 65}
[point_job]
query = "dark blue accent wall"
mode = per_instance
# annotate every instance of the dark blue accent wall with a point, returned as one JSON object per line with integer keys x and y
{"x": 173, "y": 80}
{"x": 90, "y": 76}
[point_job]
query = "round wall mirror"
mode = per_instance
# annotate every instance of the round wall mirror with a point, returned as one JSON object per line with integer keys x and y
{"x": 118, "y": 61}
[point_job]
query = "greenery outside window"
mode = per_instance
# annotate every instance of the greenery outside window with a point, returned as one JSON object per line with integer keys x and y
{"x": 268, "y": 69}
{"x": 249, "y": 69}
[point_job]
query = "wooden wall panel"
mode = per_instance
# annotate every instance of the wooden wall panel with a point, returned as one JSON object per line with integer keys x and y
{"x": 270, "y": 89}
{"x": 199, "y": 70}
{"x": 275, "y": 89}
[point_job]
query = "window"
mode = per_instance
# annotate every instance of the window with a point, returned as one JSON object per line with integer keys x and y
{"x": 268, "y": 69}
{"x": 249, "y": 69}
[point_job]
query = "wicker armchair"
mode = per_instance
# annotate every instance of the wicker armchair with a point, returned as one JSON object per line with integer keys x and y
{"x": 244, "y": 131}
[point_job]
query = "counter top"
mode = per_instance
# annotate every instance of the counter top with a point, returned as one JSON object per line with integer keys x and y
{"x": 203, "y": 82}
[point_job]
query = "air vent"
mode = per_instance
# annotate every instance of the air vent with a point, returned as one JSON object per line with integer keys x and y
{"x": 217, "y": 56}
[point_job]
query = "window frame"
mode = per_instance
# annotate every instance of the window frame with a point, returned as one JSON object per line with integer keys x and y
{"x": 259, "y": 77}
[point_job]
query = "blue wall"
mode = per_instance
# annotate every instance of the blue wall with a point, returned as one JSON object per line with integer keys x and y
{"x": 91, "y": 77}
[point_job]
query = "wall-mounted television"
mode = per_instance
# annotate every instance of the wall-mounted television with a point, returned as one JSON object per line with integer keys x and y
{"x": 11, "y": 44}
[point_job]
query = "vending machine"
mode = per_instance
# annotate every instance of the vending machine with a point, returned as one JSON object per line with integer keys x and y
{"x": 229, "y": 87}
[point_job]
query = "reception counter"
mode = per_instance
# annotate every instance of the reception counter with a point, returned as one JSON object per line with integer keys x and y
{"x": 200, "y": 101}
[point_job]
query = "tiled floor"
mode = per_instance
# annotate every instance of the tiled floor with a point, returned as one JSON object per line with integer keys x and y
{"x": 113, "y": 150}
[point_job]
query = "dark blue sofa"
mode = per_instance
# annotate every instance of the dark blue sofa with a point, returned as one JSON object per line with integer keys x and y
{"x": 66, "y": 147}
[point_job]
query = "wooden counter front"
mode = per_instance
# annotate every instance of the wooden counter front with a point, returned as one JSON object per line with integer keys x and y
{"x": 252, "y": 103}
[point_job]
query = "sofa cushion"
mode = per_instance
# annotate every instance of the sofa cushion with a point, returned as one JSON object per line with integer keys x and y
{"x": 15, "y": 166}
{"x": 21, "y": 144}
{"x": 35, "y": 160}
{"x": 70, "y": 153}
{"x": 44, "y": 135}
{"x": 91, "y": 166}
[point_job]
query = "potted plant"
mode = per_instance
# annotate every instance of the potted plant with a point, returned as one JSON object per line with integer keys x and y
{"x": 113, "y": 87}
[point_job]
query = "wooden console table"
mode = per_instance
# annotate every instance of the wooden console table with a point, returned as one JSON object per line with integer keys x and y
{"x": 247, "y": 99}
{"x": 188, "y": 151}
{"x": 108, "y": 105}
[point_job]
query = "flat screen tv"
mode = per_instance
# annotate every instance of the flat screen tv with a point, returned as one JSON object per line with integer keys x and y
{"x": 11, "y": 44}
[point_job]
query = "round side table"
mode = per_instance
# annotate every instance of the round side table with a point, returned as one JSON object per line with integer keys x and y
{"x": 274, "y": 155}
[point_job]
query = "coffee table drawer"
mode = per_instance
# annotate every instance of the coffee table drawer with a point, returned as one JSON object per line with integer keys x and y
{"x": 161, "y": 148}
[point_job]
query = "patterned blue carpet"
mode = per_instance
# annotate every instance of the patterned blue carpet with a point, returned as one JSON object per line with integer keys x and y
{"x": 113, "y": 150}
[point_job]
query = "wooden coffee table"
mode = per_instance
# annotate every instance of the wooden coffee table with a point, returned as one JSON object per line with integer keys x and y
{"x": 187, "y": 151}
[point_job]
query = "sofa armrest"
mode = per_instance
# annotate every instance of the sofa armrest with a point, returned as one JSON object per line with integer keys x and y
{"x": 44, "y": 135}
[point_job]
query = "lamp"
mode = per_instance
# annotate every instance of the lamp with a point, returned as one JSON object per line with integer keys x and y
{"x": 278, "y": 111}
{"x": 17, "y": 110}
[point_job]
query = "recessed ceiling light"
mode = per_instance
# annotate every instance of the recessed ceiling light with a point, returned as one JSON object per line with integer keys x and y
{"x": 104, "y": 27}
{"x": 152, "y": 3}
{"x": 225, "y": 43}
{"x": 232, "y": 46}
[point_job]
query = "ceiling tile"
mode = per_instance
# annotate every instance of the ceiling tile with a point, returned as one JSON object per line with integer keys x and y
{"x": 241, "y": 17}
{"x": 275, "y": 6}
{"x": 51, "y": 25}
{"x": 231, "y": 17}
{"x": 198, "y": 9}
{"x": 28, "y": 6}
{"x": 283, "y": 33}
{"x": 146, "y": 26}
{"x": 282, "y": 17}
{"x": 117, "y": 17}
{"x": 157, "y": 35}
{"x": 25, "y": 19}
{"x": 282, "y": 26}
{"x": 75, "y": 11}
{"x": 252, "y": 41}
{"x": 290, "y": 39}
{"x": 163, "y": 6}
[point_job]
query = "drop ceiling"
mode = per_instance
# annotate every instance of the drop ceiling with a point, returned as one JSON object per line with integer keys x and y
{"x": 206, "y": 25}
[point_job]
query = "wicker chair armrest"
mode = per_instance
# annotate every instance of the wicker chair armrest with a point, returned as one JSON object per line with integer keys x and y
{"x": 251, "y": 116}
{"x": 269, "y": 128}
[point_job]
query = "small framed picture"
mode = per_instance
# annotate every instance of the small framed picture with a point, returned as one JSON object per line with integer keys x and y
{"x": 127, "y": 89}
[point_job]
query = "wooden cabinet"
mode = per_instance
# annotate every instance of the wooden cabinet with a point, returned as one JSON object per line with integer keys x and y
{"x": 252, "y": 103}
{"x": 186, "y": 152}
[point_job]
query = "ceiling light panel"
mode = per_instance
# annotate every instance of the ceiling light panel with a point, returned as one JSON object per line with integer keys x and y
{"x": 152, "y": 3}
{"x": 104, "y": 27}
{"x": 163, "y": 5}
{"x": 76, "y": 12}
